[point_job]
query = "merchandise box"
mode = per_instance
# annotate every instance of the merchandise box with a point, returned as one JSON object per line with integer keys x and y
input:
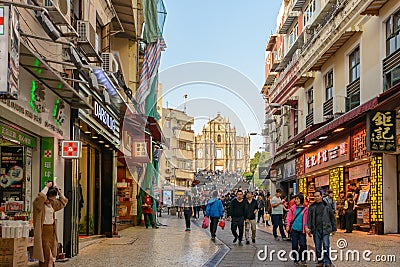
{"x": 13, "y": 246}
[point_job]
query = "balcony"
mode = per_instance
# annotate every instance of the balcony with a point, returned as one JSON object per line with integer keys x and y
{"x": 289, "y": 18}
{"x": 295, "y": 48}
{"x": 326, "y": 10}
{"x": 328, "y": 107}
{"x": 374, "y": 6}
{"x": 270, "y": 78}
{"x": 183, "y": 154}
{"x": 310, "y": 119}
{"x": 184, "y": 135}
{"x": 298, "y": 5}
{"x": 332, "y": 34}
{"x": 271, "y": 43}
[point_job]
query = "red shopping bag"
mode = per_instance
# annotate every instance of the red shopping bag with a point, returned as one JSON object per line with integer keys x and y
{"x": 222, "y": 224}
{"x": 205, "y": 223}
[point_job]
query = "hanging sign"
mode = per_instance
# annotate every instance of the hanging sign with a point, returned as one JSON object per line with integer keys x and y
{"x": 71, "y": 149}
{"x": 47, "y": 160}
{"x": 381, "y": 131}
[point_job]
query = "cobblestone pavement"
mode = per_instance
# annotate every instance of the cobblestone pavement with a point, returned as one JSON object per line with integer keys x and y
{"x": 171, "y": 246}
{"x": 167, "y": 246}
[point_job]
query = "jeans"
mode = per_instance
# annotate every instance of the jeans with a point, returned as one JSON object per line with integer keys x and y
{"x": 252, "y": 224}
{"x": 237, "y": 222}
{"x": 349, "y": 219}
{"x": 299, "y": 244}
{"x": 148, "y": 217}
{"x": 260, "y": 215}
{"x": 213, "y": 225}
{"x": 187, "y": 220}
{"x": 321, "y": 240}
{"x": 277, "y": 221}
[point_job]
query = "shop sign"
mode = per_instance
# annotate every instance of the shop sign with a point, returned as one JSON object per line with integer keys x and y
{"x": 322, "y": 181}
{"x": 9, "y": 53}
{"x": 141, "y": 149}
{"x": 263, "y": 172}
{"x": 47, "y": 153}
{"x": 16, "y": 136}
{"x": 360, "y": 171}
{"x": 381, "y": 131}
{"x": 289, "y": 170}
{"x": 104, "y": 117}
{"x": 331, "y": 154}
{"x": 71, "y": 149}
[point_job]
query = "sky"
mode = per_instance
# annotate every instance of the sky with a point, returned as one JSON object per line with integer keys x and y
{"x": 215, "y": 54}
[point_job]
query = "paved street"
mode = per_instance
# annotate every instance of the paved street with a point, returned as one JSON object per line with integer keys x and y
{"x": 170, "y": 245}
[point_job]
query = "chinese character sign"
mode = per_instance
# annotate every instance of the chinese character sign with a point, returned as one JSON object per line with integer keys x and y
{"x": 381, "y": 131}
{"x": 47, "y": 172}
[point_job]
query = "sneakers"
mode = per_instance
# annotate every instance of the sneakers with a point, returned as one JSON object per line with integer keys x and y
{"x": 187, "y": 229}
{"x": 212, "y": 238}
{"x": 253, "y": 240}
{"x": 235, "y": 239}
{"x": 277, "y": 238}
{"x": 240, "y": 243}
{"x": 247, "y": 242}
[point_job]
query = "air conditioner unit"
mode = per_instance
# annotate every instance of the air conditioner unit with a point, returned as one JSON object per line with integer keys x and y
{"x": 109, "y": 62}
{"x": 59, "y": 11}
{"x": 86, "y": 32}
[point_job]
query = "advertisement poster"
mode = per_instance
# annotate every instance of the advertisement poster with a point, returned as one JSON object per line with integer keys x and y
{"x": 11, "y": 173}
{"x": 167, "y": 198}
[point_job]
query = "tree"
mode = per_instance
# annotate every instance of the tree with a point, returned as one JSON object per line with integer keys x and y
{"x": 254, "y": 161}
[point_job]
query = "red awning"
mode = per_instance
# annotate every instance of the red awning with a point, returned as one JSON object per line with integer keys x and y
{"x": 349, "y": 116}
{"x": 155, "y": 130}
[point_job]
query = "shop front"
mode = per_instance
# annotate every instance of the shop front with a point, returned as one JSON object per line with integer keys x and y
{"x": 99, "y": 134}
{"x": 286, "y": 177}
{"x": 31, "y": 129}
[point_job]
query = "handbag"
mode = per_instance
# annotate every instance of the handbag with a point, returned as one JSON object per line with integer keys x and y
{"x": 205, "y": 223}
{"x": 267, "y": 216}
{"x": 222, "y": 224}
{"x": 291, "y": 223}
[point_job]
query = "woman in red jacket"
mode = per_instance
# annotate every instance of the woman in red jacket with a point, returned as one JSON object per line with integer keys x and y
{"x": 296, "y": 224}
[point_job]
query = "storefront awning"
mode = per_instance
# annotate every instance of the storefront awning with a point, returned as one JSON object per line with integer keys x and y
{"x": 346, "y": 118}
{"x": 31, "y": 61}
{"x": 373, "y": 8}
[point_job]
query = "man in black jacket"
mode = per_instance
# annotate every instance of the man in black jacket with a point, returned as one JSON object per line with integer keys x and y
{"x": 236, "y": 212}
{"x": 251, "y": 207}
{"x": 321, "y": 223}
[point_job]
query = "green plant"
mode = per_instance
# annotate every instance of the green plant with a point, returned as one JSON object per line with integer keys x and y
{"x": 83, "y": 225}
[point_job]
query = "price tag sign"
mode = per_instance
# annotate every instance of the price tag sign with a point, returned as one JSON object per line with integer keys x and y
{"x": 71, "y": 149}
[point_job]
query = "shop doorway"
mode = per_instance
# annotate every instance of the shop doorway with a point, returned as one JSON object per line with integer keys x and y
{"x": 89, "y": 191}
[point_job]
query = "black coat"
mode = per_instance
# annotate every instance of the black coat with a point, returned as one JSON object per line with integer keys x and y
{"x": 328, "y": 219}
{"x": 249, "y": 209}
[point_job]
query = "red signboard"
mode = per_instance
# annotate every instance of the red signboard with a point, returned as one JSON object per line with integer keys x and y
{"x": 328, "y": 155}
{"x": 71, "y": 149}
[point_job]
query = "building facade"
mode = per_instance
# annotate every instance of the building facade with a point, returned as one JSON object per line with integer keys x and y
{"x": 177, "y": 164}
{"x": 332, "y": 99}
{"x": 218, "y": 147}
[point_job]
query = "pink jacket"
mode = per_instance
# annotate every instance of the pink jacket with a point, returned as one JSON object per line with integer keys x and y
{"x": 291, "y": 214}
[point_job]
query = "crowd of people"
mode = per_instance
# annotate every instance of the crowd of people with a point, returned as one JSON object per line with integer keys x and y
{"x": 295, "y": 217}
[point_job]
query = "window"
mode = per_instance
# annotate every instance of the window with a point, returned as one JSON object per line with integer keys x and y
{"x": 239, "y": 154}
{"x": 293, "y": 35}
{"x": 354, "y": 65}
{"x": 182, "y": 145}
{"x": 219, "y": 138}
{"x": 393, "y": 33}
{"x": 328, "y": 79}
{"x": 308, "y": 12}
{"x": 199, "y": 153}
{"x": 310, "y": 100}
{"x": 296, "y": 120}
{"x": 219, "y": 154}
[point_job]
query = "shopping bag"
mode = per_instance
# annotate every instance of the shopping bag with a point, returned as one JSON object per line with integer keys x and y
{"x": 222, "y": 224}
{"x": 266, "y": 217}
{"x": 205, "y": 223}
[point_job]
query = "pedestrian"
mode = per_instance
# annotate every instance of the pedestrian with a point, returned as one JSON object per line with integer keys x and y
{"x": 349, "y": 207}
{"x": 340, "y": 210}
{"x": 330, "y": 200}
{"x": 251, "y": 208}
{"x": 296, "y": 225}
{"x": 321, "y": 223}
{"x": 188, "y": 210}
{"x": 268, "y": 208}
{"x": 179, "y": 206}
{"x": 236, "y": 214}
{"x": 147, "y": 209}
{"x": 261, "y": 203}
{"x": 277, "y": 214}
{"x": 215, "y": 211}
{"x": 45, "y": 205}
